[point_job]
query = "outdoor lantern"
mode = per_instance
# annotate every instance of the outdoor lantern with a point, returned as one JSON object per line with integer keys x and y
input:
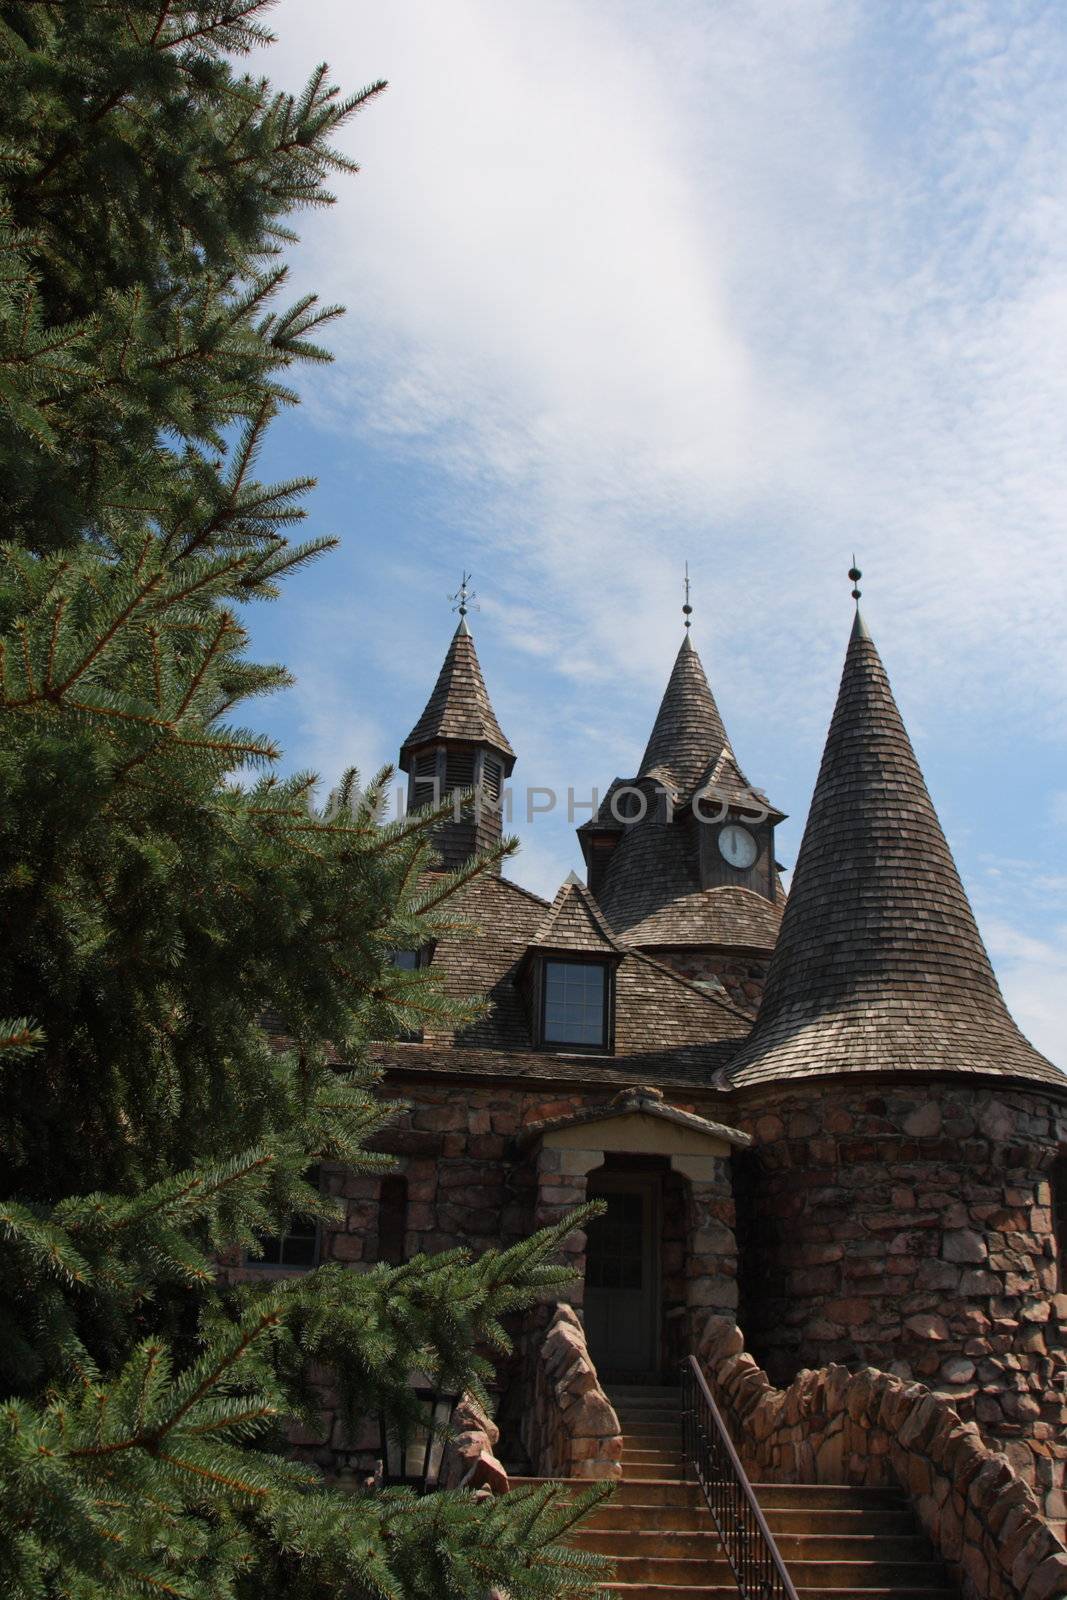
{"x": 412, "y": 1451}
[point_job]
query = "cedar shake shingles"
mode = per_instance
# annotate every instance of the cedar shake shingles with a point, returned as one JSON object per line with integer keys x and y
{"x": 575, "y": 922}
{"x": 688, "y": 732}
{"x": 879, "y": 965}
{"x": 459, "y": 707}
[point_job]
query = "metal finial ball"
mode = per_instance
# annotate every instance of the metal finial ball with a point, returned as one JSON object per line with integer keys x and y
{"x": 855, "y": 575}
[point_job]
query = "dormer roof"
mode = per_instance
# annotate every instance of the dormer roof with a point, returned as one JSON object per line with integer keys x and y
{"x": 459, "y": 709}
{"x": 575, "y": 922}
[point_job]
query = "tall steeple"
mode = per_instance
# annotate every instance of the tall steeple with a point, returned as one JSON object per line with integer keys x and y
{"x": 879, "y": 966}
{"x": 688, "y": 734}
{"x": 681, "y": 857}
{"x": 458, "y": 744}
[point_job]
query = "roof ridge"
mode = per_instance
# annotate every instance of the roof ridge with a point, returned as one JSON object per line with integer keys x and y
{"x": 521, "y": 889}
{"x": 879, "y": 963}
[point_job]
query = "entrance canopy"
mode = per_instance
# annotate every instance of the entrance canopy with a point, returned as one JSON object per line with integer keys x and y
{"x": 638, "y": 1121}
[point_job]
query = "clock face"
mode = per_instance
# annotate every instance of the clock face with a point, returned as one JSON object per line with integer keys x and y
{"x": 737, "y": 846}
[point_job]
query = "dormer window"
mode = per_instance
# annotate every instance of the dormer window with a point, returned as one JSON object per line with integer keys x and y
{"x": 575, "y": 1004}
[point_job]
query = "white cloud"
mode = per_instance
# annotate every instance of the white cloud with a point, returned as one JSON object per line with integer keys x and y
{"x": 752, "y": 283}
{"x": 1033, "y": 976}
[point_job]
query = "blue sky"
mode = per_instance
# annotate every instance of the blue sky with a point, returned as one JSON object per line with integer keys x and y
{"x": 744, "y": 284}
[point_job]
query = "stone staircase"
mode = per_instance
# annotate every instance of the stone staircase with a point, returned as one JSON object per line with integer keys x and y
{"x": 864, "y": 1544}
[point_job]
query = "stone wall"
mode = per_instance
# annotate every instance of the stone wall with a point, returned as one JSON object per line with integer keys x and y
{"x": 470, "y": 1460}
{"x": 911, "y": 1229}
{"x": 569, "y": 1429}
{"x": 870, "y": 1427}
{"x": 741, "y": 976}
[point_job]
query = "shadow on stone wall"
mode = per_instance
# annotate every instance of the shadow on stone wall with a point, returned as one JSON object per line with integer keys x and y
{"x": 869, "y": 1427}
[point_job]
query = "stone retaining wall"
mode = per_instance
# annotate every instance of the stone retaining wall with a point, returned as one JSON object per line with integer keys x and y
{"x": 870, "y": 1427}
{"x": 470, "y": 1460}
{"x": 568, "y": 1427}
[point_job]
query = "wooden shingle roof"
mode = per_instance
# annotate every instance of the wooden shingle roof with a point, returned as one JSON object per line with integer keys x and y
{"x": 688, "y": 733}
{"x": 879, "y": 965}
{"x": 575, "y": 922}
{"x": 459, "y": 707}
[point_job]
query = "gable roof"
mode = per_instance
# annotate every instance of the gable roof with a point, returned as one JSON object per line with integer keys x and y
{"x": 879, "y": 964}
{"x": 575, "y": 922}
{"x": 459, "y": 707}
{"x": 640, "y": 1101}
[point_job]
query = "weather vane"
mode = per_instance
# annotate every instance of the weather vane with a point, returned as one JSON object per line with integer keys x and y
{"x": 462, "y": 600}
{"x": 687, "y": 610}
{"x": 855, "y": 574}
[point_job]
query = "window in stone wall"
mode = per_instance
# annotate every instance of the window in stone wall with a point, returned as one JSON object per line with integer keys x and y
{"x": 392, "y": 1218}
{"x": 1059, "y": 1218}
{"x": 296, "y": 1248}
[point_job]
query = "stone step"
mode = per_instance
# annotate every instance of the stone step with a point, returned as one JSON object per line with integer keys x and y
{"x": 642, "y": 1456}
{"x": 805, "y": 1519}
{"x": 673, "y": 1591}
{"x": 656, "y": 1471}
{"x": 639, "y": 1514}
{"x": 653, "y": 1432}
{"x": 644, "y": 1391}
{"x": 851, "y": 1576}
{"x": 650, "y": 1492}
{"x": 648, "y": 1416}
{"x": 827, "y": 1496}
{"x": 699, "y": 1539}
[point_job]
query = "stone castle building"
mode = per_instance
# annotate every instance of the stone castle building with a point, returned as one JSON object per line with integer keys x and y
{"x": 814, "y": 1114}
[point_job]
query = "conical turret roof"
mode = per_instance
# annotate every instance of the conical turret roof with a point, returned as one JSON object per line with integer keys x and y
{"x": 688, "y": 734}
{"x": 459, "y": 707}
{"x": 879, "y": 965}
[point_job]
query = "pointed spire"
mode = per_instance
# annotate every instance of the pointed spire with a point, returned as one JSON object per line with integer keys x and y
{"x": 879, "y": 965}
{"x": 459, "y": 707}
{"x": 688, "y": 734}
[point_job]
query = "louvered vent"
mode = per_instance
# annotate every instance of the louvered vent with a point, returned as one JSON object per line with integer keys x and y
{"x": 424, "y": 780}
{"x": 492, "y": 773}
{"x": 459, "y": 770}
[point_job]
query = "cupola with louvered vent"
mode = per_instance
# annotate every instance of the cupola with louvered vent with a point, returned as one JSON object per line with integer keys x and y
{"x": 457, "y": 749}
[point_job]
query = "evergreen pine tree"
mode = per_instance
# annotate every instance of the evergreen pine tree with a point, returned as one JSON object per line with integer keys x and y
{"x": 151, "y": 905}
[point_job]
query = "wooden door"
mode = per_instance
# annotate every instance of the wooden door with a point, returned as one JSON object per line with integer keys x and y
{"x": 622, "y": 1279}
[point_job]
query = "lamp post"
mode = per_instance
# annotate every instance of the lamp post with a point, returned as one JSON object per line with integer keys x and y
{"x": 412, "y": 1451}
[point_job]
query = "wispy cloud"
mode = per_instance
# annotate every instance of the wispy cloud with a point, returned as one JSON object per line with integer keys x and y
{"x": 749, "y": 283}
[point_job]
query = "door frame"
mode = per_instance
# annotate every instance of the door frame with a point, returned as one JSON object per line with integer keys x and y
{"x": 601, "y": 1182}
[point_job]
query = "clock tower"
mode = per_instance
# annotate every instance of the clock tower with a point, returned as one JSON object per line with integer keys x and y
{"x": 681, "y": 857}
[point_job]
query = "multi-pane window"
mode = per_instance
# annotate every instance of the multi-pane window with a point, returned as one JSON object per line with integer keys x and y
{"x": 410, "y": 961}
{"x": 575, "y": 1003}
{"x": 297, "y": 1247}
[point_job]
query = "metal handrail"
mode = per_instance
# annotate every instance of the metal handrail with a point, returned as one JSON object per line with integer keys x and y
{"x": 747, "y": 1542}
